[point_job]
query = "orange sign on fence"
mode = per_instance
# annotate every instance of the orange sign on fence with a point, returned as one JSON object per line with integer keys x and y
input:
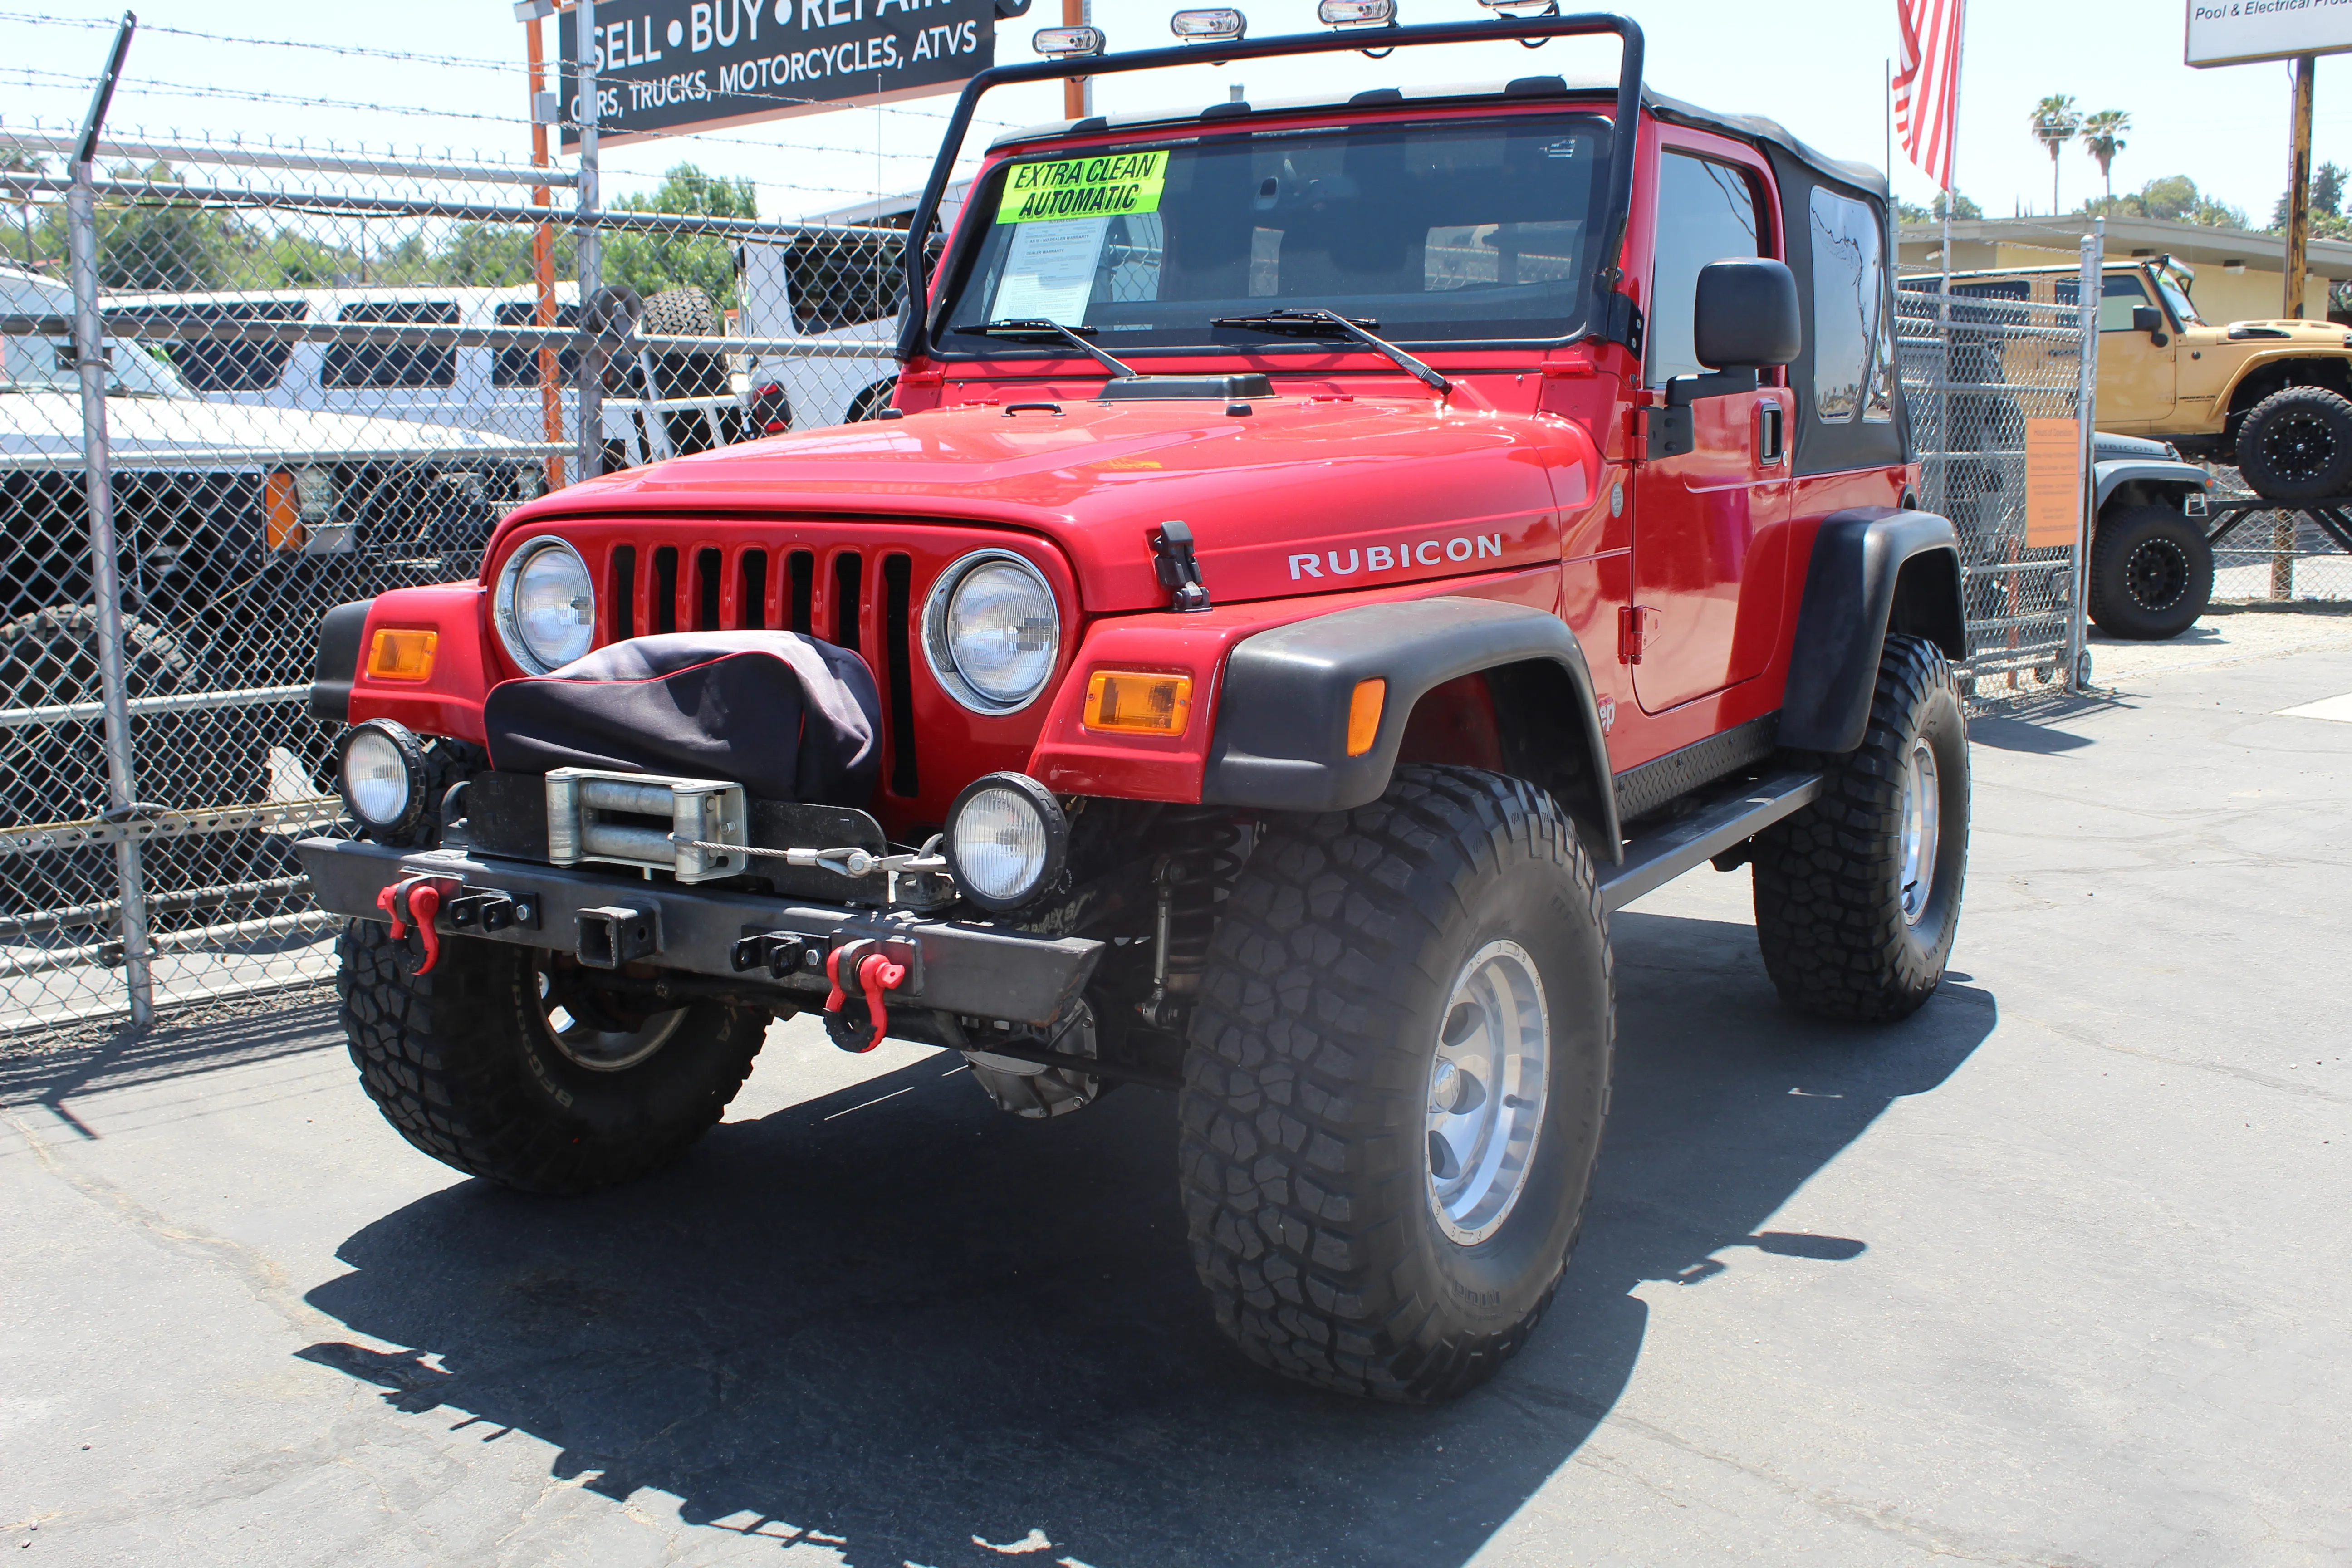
{"x": 2053, "y": 483}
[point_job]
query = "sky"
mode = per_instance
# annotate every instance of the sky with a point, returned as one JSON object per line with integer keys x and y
{"x": 1817, "y": 65}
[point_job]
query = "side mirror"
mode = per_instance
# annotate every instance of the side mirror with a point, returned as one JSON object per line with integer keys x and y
{"x": 2150, "y": 320}
{"x": 1745, "y": 315}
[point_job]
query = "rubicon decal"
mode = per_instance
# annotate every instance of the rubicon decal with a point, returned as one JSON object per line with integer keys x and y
{"x": 1373, "y": 558}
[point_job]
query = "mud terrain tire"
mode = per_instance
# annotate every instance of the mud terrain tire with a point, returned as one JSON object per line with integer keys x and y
{"x": 2296, "y": 445}
{"x": 2151, "y": 573}
{"x": 462, "y": 1062}
{"x": 1305, "y": 1153}
{"x": 1831, "y": 881}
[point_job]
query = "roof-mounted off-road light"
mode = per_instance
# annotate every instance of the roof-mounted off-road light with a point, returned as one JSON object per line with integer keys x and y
{"x": 1357, "y": 12}
{"x": 1522, "y": 7}
{"x": 1218, "y": 24}
{"x": 1061, "y": 43}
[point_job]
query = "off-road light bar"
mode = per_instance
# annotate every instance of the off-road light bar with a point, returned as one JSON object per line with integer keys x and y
{"x": 1357, "y": 12}
{"x": 1062, "y": 42}
{"x": 1217, "y": 25}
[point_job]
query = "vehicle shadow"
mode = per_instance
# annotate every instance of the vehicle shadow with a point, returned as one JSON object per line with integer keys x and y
{"x": 917, "y": 1330}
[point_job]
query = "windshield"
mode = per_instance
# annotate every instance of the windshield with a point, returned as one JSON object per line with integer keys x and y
{"x": 1443, "y": 232}
{"x": 2175, "y": 290}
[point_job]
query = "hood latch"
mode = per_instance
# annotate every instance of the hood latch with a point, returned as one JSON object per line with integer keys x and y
{"x": 1178, "y": 568}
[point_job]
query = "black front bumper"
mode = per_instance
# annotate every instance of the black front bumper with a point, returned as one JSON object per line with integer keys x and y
{"x": 975, "y": 971}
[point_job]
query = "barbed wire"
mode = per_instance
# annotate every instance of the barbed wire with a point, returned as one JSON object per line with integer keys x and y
{"x": 557, "y": 69}
{"x": 469, "y": 62}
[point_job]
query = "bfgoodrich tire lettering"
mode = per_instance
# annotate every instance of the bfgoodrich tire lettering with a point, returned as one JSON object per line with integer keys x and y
{"x": 1831, "y": 881}
{"x": 461, "y": 1062}
{"x": 1305, "y": 1173}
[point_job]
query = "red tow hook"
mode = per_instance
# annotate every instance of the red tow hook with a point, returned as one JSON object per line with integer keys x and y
{"x": 875, "y": 973}
{"x": 415, "y": 902}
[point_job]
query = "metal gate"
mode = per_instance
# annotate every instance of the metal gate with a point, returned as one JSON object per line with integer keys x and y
{"x": 1978, "y": 371}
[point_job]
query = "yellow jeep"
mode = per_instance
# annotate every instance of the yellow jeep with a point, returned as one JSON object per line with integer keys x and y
{"x": 2268, "y": 396}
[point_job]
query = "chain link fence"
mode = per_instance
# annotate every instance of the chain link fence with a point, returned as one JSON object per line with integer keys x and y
{"x": 322, "y": 376}
{"x": 2276, "y": 556}
{"x": 1984, "y": 378}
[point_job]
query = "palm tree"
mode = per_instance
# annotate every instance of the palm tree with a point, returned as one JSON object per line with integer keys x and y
{"x": 2054, "y": 123}
{"x": 2103, "y": 137}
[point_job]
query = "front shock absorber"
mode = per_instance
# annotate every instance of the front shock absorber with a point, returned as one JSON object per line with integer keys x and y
{"x": 1190, "y": 882}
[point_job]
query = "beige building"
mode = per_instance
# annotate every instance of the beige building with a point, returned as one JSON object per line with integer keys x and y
{"x": 2240, "y": 277}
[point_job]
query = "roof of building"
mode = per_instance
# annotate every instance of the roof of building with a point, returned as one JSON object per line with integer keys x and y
{"x": 2193, "y": 243}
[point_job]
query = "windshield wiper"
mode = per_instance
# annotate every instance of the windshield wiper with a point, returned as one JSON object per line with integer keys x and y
{"x": 1048, "y": 332}
{"x": 1314, "y": 322}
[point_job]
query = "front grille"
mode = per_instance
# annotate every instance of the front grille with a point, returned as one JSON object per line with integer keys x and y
{"x": 823, "y": 593}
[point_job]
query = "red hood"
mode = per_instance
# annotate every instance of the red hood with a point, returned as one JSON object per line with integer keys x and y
{"x": 1302, "y": 492}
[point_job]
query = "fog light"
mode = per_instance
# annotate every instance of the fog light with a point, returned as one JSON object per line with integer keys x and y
{"x": 383, "y": 775}
{"x": 1138, "y": 702}
{"x": 1223, "y": 24}
{"x": 1006, "y": 839}
{"x": 1357, "y": 12}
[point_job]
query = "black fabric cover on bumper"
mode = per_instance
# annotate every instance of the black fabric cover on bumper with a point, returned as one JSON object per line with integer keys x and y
{"x": 784, "y": 715}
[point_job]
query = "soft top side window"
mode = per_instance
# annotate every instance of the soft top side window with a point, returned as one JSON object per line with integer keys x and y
{"x": 1853, "y": 354}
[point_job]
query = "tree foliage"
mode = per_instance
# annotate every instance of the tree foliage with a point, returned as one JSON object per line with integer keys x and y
{"x": 2174, "y": 199}
{"x": 650, "y": 263}
{"x": 2328, "y": 218}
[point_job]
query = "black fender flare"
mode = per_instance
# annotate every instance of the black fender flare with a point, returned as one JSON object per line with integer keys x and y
{"x": 2185, "y": 479}
{"x": 338, "y": 664}
{"x": 1281, "y": 736}
{"x": 1851, "y": 600}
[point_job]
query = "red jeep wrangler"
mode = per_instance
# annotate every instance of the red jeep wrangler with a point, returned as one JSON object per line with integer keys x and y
{"x": 1323, "y": 558}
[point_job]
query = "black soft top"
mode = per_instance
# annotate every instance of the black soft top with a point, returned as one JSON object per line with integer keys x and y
{"x": 1751, "y": 128}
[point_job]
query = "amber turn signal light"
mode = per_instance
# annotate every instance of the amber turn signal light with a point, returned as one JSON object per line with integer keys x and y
{"x": 1364, "y": 715}
{"x": 402, "y": 655}
{"x": 1136, "y": 703}
{"x": 281, "y": 511}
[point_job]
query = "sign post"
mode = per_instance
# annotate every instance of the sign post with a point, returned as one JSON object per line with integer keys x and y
{"x": 2298, "y": 186}
{"x": 664, "y": 66}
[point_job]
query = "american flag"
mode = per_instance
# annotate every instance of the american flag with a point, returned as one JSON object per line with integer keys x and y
{"x": 1927, "y": 83}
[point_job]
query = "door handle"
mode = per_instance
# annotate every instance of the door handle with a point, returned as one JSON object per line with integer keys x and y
{"x": 1771, "y": 433}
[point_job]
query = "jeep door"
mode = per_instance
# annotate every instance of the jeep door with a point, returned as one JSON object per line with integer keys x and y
{"x": 2137, "y": 383}
{"x": 1702, "y": 619}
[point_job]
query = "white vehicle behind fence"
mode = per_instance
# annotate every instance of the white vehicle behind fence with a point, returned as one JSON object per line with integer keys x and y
{"x": 239, "y": 526}
{"x": 495, "y": 389}
{"x": 839, "y": 282}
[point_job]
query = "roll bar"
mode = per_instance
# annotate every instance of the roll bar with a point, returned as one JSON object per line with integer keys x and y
{"x": 914, "y": 326}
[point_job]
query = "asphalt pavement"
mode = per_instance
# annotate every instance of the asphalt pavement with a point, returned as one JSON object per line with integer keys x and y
{"x": 2056, "y": 1272}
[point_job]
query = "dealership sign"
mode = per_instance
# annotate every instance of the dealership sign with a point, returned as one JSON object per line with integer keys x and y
{"x": 667, "y": 65}
{"x": 2232, "y": 32}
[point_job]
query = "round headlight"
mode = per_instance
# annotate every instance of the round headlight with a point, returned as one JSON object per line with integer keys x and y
{"x": 546, "y": 605}
{"x": 383, "y": 775}
{"x": 1005, "y": 837}
{"x": 991, "y": 632}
